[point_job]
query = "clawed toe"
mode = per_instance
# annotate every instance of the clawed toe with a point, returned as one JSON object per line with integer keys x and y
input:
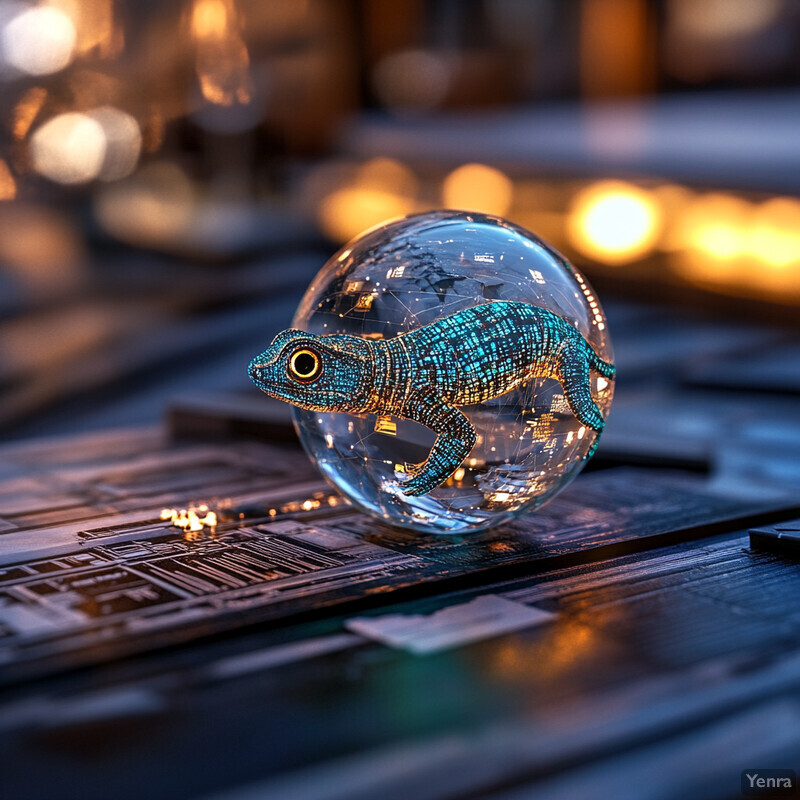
{"x": 416, "y": 487}
{"x": 418, "y": 483}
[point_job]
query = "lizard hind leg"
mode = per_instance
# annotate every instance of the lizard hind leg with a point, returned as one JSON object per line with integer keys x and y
{"x": 575, "y": 377}
{"x": 455, "y": 438}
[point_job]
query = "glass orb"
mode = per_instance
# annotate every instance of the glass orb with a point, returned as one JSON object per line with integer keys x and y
{"x": 416, "y": 271}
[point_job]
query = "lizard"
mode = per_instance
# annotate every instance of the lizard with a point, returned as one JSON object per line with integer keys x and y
{"x": 426, "y": 374}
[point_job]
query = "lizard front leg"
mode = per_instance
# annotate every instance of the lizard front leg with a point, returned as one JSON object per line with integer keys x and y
{"x": 455, "y": 438}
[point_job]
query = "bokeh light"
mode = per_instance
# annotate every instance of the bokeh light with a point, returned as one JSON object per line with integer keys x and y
{"x": 151, "y": 208}
{"x": 39, "y": 40}
{"x": 716, "y": 225}
{"x": 723, "y": 19}
{"x": 614, "y": 222}
{"x": 775, "y": 234}
{"x": 477, "y": 187}
{"x": 76, "y": 148}
{"x": 123, "y": 142}
{"x": 351, "y": 209}
{"x": 380, "y": 190}
{"x": 741, "y": 248}
{"x": 40, "y": 246}
{"x": 69, "y": 148}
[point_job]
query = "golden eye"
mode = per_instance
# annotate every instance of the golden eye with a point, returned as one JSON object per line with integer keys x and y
{"x": 305, "y": 365}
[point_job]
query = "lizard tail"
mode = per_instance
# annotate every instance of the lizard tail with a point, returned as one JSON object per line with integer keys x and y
{"x": 606, "y": 369}
{"x": 594, "y": 445}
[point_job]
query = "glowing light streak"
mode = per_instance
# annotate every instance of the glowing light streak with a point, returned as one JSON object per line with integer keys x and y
{"x": 26, "y": 111}
{"x": 222, "y": 60}
{"x": 8, "y": 186}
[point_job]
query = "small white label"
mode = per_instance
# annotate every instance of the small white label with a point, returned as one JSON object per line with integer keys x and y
{"x": 481, "y": 618}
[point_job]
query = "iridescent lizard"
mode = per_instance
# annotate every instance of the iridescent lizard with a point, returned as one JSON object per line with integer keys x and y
{"x": 424, "y": 375}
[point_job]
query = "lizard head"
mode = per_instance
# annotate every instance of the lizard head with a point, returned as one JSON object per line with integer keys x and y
{"x": 318, "y": 373}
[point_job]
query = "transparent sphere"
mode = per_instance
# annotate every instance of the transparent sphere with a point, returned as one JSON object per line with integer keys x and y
{"x": 419, "y": 270}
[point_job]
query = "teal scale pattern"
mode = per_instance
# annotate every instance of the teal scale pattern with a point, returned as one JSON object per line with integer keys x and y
{"x": 427, "y": 374}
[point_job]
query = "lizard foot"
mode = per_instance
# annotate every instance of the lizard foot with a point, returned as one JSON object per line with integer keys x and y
{"x": 420, "y": 484}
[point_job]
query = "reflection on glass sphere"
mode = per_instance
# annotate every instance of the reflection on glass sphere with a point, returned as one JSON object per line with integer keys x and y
{"x": 419, "y": 270}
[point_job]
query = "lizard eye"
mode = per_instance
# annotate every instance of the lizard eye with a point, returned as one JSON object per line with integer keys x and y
{"x": 305, "y": 365}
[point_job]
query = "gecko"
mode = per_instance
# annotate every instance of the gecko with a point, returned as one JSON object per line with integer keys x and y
{"x": 426, "y": 374}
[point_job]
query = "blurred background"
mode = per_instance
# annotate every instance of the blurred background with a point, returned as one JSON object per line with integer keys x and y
{"x": 173, "y": 174}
